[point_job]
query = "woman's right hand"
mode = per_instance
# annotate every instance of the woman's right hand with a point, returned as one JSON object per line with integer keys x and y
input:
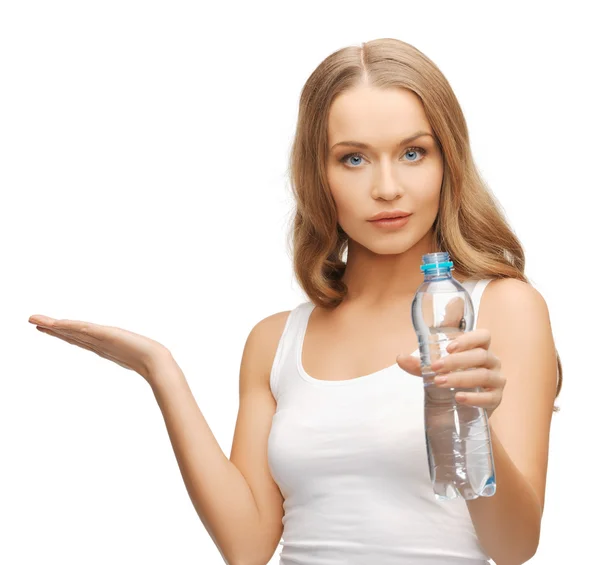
{"x": 127, "y": 349}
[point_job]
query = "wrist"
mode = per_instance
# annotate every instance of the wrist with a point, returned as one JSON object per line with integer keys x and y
{"x": 162, "y": 369}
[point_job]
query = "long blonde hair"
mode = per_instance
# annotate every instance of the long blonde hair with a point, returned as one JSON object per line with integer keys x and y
{"x": 470, "y": 224}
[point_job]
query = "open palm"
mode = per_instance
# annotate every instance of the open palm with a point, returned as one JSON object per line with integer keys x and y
{"x": 127, "y": 349}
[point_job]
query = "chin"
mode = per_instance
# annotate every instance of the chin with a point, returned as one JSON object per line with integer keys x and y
{"x": 392, "y": 243}
{"x": 387, "y": 245}
{"x": 391, "y": 249}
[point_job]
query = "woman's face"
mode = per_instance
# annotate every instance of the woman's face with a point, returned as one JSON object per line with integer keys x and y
{"x": 388, "y": 174}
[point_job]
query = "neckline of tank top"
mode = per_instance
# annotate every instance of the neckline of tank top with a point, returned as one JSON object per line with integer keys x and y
{"x": 352, "y": 380}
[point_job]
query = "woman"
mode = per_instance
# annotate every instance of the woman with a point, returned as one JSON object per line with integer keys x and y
{"x": 328, "y": 449}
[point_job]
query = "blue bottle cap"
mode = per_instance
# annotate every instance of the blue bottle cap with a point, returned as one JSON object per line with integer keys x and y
{"x": 435, "y": 261}
{"x": 436, "y": 266}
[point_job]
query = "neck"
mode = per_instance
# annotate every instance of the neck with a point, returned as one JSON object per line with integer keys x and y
{"x": 376, "y": 280}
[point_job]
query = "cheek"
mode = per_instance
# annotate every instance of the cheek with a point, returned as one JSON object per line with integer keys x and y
{"x": 345, "y": 212}
{"x": 344, "y": 197}
{"x": 349, "y": 204}
{"x": 426, "y": 196}
{"x": 429, "y": 199}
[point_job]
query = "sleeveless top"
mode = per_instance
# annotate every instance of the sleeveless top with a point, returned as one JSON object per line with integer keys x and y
{"x": 350, "y": 460}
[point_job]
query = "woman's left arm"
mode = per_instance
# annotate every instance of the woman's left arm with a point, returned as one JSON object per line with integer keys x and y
{"x": 508, "y": 524}
{"x": 517, "y": 363}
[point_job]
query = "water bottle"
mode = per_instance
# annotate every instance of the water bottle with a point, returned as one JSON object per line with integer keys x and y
{"x": 459, "y": 449}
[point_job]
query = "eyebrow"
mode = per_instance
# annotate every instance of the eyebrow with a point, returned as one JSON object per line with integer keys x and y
{"x": 366, "y": 146}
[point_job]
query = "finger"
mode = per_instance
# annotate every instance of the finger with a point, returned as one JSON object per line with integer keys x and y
{"x": 479, "y": 377}
{"x": 83, "y": 332}
{"x": 74, "y": 326}
{"x": 83, "y": 345}
{"x": 40, "y": 320}
{"x": 76, "y": 338}
{"x": 61, "y": 335}
{"x": 71, "y": 340}
{"x": 477, "y": 338}
{"x": 477, "y": 357}
{"x": 93, "y": 331}
{"x": 410, "y": 364}
{"x": 486, "y": 399}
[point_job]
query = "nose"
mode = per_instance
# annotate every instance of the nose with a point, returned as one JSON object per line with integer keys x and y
{"x": 386, "y": 185}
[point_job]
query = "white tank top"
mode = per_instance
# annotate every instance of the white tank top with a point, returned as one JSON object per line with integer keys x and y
{"x": 350, "y": 460}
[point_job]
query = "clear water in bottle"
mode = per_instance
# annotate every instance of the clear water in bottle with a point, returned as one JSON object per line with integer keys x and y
{"x": 457, "y": 436}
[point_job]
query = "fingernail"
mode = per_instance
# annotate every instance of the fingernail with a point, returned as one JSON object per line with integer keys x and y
{"x": 451, "y": 347}
{"x": 43, "y": 320}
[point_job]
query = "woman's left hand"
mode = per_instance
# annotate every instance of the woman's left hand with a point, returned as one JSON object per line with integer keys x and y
{"x": 469, "y": 364}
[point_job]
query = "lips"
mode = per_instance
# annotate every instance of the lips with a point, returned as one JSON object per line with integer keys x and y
{"x": 389, "y": 216}
{"x": 391, "y": 223}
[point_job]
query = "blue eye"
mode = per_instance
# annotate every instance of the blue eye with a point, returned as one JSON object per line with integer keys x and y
{"x": 410, "y": 150}
{"x": 352, "y": 156}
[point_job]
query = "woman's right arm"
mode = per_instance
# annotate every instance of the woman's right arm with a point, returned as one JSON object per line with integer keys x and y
{"x": 236, "y": 499}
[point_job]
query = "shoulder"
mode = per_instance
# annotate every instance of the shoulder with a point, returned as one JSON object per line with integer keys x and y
{"x": 509, "y": 299}
{"x": 517, "y": 317}
{"x": 511, "y": 286}
{"x": 263, "y": 339}
{"x": 269, "y": 329}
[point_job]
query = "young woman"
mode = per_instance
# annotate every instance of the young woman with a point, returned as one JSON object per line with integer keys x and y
{"x": 329, "y": 449}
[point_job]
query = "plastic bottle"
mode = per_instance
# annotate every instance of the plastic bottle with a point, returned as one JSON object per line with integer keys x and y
{"x": 458, "y": 439}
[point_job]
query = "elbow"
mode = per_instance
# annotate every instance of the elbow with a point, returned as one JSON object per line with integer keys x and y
{"x": 517, "y": 555}
{"x": 532, "y": 550}
{"x": 247, "y": 558}
{"x": 259, "y": 557}
{"x": 249, "y": 561}
{"x": 520, "y": 545}
{"x": 515, "y": 559}
{"x": 249, "y": 547}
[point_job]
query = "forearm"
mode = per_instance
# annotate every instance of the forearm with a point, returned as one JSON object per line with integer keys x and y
{"x": 507, "y": 523}
{"x": 218, "y": 490}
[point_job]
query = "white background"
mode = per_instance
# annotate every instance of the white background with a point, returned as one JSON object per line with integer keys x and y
{"x": 143, "y": 157}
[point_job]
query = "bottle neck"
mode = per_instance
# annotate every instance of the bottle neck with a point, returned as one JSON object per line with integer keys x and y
{"x": 437, "y": 266}
{"x": 438, "y": 274}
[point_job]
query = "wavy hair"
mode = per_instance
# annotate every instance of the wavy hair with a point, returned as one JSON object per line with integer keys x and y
{"x": 470, "y": 224}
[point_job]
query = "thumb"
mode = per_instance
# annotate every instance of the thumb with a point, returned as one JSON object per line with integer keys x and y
{"x": 410, "y": 364}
